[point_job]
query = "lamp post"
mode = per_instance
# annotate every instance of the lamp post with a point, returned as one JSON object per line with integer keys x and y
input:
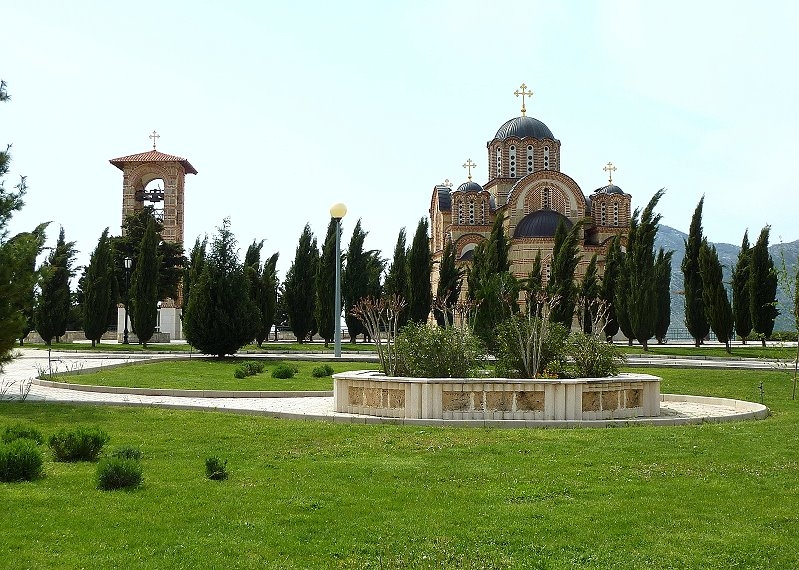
{"x": 338, "y": 211}
{"x": 128, "y": 264}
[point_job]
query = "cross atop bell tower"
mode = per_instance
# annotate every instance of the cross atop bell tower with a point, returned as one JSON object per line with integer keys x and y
{"x": 157, "y": 179}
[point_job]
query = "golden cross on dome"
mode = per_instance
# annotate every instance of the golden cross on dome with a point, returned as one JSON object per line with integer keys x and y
{"x": 523, "y": 92}
{"x": 446, "y": 183}
{"x": 154, "y": 136}
{"x": 610, "y": 169}
{"x": 468, "y": 165}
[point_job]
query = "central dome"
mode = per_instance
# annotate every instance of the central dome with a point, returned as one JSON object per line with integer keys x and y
{"x": 543, "y": 223}
{"x": 523, "y": 127}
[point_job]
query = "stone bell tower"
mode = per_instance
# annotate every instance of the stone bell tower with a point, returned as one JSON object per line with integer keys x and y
{"x": 157, "y": 179}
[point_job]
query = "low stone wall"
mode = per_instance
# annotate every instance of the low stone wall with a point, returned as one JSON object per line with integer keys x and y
{"x": 371, "y": 393}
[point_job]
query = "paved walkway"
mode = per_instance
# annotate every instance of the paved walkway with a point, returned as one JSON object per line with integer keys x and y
{"x": 18, "y": 376}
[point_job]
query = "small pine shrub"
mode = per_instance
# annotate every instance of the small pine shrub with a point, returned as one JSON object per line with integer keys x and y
{"x": 322, "y": 371}
{"x": 248, "y": 368}
{"x": 118, "y": 473}
{"x": 284, "y": 371}
{"x": 127, "y": 452}
{"x": 20, "y": 460}
{"x": 82, "y": 444}
{"x": 21, "y": 431}
{"x": 216, "y": 469}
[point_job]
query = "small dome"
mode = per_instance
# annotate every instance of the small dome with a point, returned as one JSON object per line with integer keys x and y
{"x": 469, "y": 187}
{"x": 523, "y": 127}
{"x": 609, "y": 189}
{"x": 444, "y": 199}
{"x": 543, "y": 223}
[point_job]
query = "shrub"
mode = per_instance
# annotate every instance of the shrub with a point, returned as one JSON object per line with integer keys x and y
{"x": 21, "y": 431}
{"x": 531, "y": 347}
{"x": 284, "y": 371}
{"x": 784, "y": 336}
{"x": 593, "y": 357}
{"x": 216, "y": 469}
{"x": 430, "y": 351}
{"x": 82, "y": 444}
{"x": 248, "y": 368}
{"x": 118, "y": 473}
{"x": 127, "y": 452}
{"x": 20, "y": 460}
{"x": 322, "y": 371}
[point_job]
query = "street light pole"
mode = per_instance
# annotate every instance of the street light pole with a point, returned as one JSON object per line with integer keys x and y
{"x": 128, "y": 264}
{"x": 337, "y": 211}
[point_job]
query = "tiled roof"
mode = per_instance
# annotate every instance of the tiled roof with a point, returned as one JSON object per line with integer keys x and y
{"x": 153, "y": 156}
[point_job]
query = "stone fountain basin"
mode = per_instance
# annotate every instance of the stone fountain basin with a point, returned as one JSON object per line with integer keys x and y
{"x": 371, "y": 393}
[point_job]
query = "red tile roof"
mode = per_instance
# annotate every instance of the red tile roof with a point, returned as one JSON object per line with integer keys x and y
{"x": 152, "y": 156}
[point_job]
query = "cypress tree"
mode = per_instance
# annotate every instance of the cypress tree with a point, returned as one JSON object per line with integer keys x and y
{"x": 144, "y": 286}
{"x": 589, "y": 294}
{"x": 565, "y": 258}
{"x": 396, "y": 282}
{"x": 97, "y": 301}
{"x": 193, "y": 268}
{"x": 220, "y": 319}
{"x": 267, "y": 298}
{"x": 640, "y": 267}
{"x": 610, "y": 281}
{"x": 448, "y": 290}
{"x": 695, "y": 317}
{"x": 420, "y": 293}
{"x": 354, "y": 280}
{"x": 717, "y": 304}
{"x": 252, "y": 274}
{"x": 326, "y": 285}
{"x": 300, "y": 286}
{"x": 763, "y": 287}
{"x": 741, "y": 305}
{"x": 54, "y": 302}
{"x": 663, "y": 294}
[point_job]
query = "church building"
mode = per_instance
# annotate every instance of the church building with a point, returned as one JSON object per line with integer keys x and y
{"x": 525, "y": 183}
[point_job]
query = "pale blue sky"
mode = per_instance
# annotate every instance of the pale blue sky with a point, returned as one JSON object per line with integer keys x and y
{"x": 285, "y": 108}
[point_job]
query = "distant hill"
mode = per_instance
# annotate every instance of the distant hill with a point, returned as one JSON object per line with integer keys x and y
{"x": 670, "y": 239}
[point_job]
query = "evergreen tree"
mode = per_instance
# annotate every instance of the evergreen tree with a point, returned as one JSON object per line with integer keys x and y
{"x": 589, "y": 295}
{"x": 420, "y": 292}
{"x": 375, "y": 266}
{"x": 219, "y": 319}
{"x": 663, "y": 294}
{"x": 565, "y": 258}
{"x": 252, "y": 273}
{"x": 144, "y": 286}
{"x": 97, "y": 290}
{"x": 640, "y": 272}
{"x": 695, "y": 318}
{"x": 450, "y": 278}
{"x": 326, "y": 285}
{"x": 610, "y": 283}
{"x": 762, "y": 287}
{"x": 267, "y": 299}
{"x": 53, "y": 305}
{"x": 717, "y": 304}
{"x": 354, "y": 280}
{"x": 741, "y": 306}
{"x": 534, "y": 284}
{"x": 396, "y": 282}
{"x": 300, "y": 287}
{"x": 194, "y": 267}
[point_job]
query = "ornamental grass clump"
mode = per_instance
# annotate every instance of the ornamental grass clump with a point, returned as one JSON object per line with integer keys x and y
{"x": 430, "y": 351}
{"x": 21, "y": 431}
{"x": 119, "y": 473}
{"x": 20, "y": 460}
{"x": 216, "y": 469}
{"x": 284, "y": 371}
{"x": 84, "y": 443}
{"x": 592, "y": 357}
{"x": 248, "y": 368}
{"x": 322, "y": 371}
{"x": 127, "y": 452}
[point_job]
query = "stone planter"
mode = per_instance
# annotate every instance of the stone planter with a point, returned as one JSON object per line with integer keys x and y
{"x": 370, "y": 393}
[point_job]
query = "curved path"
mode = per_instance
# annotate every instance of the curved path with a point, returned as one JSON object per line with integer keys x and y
{"x": 20, "y": 373}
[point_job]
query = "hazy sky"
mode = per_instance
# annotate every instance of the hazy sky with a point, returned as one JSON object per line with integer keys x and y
{"x": 287, "y": 107}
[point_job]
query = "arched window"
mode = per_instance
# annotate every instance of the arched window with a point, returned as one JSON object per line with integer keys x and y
{"x": 512, "y": 160}
{"x": 460, "y": 213}
{"x": 602, "y": 215}
{"x": 546, "y": 158}
{"x": 499, "y": 161}
{"x": 529, "y": 158}
{"x": 616, "y": 214}
{"x": 483, "y": 213}
{"x": 546, "y": 201}
{"x": 471, "y": 212}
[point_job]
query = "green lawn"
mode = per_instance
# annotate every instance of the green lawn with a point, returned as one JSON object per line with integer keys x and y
{"x": 206, "y": 374}
{"x": 749, "y": 351}
{"x": 320, "y": 495}
{"x": 282, "y": 346}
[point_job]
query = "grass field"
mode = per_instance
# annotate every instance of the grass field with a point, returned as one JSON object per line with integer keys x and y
{"x": 749, "y": 351}
{"x": 282, "y": 346}
{"x": 206, "y": 374}
{"x": 319, "y": 495}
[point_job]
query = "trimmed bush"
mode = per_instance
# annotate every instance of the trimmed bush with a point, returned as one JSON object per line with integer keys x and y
{"x": 20, "y": 460}
{"x": 284, "y": 371}
{"x": 322, "y": 371}
{"x": 248, "y": 368}
{"x": 118, "y": 473}
{"x": 84, "y": 443}
{"x": 216, "y": 469}
{"x": 127, "y": 452}
{"x": 21, "y": 431}
{"x": 430, "y": 351}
